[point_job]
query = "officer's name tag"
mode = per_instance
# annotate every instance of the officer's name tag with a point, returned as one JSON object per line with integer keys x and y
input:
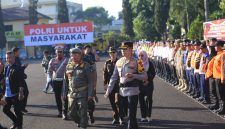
{"x": 79, "y": 71}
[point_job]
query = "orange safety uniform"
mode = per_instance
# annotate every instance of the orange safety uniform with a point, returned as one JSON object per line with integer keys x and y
{"x": 217, "y": 65}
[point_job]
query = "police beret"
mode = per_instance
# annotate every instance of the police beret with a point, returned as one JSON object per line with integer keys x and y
{"x": 87, "y": 46}
{"x": 219, "y": 43}
{"x": 15, "y": 49}
{"x": 59, "y": 48}
{"x": 126, "y": 44}
{"x": 75, "y": 50}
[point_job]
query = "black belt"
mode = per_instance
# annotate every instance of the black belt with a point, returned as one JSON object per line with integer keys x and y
{"x": 134, "y": 83}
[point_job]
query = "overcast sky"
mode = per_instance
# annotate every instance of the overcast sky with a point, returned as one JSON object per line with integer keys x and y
{"x": 112, "y": 6}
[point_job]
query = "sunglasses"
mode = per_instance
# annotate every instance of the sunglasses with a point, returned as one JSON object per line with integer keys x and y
{"x": 141, "y": 55}
{"x": 124, "y": 49}
{"x": 112, "y": 52}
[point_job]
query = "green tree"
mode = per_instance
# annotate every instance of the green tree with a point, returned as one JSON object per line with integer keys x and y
{"x": 161, "y": 15}
{"x": 98, "y": 15}
{"x": 2, "y": 30}
{"x": 144, "y": 29}
{"x": 196, "y": 29}
{"x": 63, "y": 15}
{"x": 128, "y": 19}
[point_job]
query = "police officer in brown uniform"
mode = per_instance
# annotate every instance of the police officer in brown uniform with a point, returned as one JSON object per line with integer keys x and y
{"x": 107, "y": 73}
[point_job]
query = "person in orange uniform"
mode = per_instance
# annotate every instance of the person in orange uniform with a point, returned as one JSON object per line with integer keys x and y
{"x": 217, "y": 75}
{"x": 214, "y": 73}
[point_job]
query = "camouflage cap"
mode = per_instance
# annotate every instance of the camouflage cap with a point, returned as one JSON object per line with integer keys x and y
{"x": 75, "y": 50}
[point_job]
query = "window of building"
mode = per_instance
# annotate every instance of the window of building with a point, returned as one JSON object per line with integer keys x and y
{"x": 8, "y": 27}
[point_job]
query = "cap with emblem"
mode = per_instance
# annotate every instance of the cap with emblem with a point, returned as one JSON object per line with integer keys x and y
{"x": 79, "y": 45}
{"x": 197, "y": 42}
{"x": 75, "y": 50}
{"x": 203, "y": 45}
{"x": 112, "y": 49}
{"x": 126, "y": 44}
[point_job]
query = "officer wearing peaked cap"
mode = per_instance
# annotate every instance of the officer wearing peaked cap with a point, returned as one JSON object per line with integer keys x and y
{"x": 130, "y": 71}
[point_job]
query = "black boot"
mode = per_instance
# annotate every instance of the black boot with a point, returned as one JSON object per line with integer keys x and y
{"x": 221, "y": 110}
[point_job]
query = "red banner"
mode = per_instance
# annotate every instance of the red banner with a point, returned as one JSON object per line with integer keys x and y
{"x": 214, "y": 29}
{"x": 66, "y": 33}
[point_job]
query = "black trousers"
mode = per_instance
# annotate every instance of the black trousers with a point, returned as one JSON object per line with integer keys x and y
{"x": 123, "y": 106}
{"x": 145, "y": 99}
{"x": 132, "y": 106}
{"x": 17, "y": 118}
{"x": 115, "y": 103}
{"x": 26, "y": 93}
{"x": 58, "y": 88}
{"x": 220, "y": 90}
{"x": 212, "y": 92}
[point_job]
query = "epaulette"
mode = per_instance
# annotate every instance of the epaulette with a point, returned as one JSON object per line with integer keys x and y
{"x": 121, "y": 62}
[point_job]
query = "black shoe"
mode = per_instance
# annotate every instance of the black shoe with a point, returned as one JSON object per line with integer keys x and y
{"x": 24, "y": 110}
{"x": 92, "y": 120}
{"x": 19, "y": 127}
{"x": 196, "y": 96}
{"x": 45, "y": 91}
{"x": 213, "y": 107}
{"x": 64, "y": 117}
{"x": 14, "y": 126}
{"x": 59, "y": 115}
{"x": 96, "y": 99}
{"x": 115, "y": 122}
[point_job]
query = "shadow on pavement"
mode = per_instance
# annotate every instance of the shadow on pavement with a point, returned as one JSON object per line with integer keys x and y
{"x": 42, "y": 106}
{"x": 181, "y": 108}
{"x": 41, "y": 115}
{"x": 171, "y": 124}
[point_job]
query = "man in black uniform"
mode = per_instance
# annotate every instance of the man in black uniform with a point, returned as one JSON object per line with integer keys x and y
{"x": 107, "y": 73}
{"x": 13, "y": 91}
{"x": 16, "y": 52}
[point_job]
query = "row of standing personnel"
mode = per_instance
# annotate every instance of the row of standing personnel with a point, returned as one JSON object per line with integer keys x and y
{"x": 194, "y": 67}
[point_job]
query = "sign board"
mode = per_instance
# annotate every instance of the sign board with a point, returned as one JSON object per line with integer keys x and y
{"x": 214, "y": 29}
{"x": 66, "y": 33}
{"x": 14, "y": 35}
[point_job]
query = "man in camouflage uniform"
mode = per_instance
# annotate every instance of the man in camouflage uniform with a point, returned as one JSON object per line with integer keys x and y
{"x": 44, "y": 64}
{"x": 78, "y": 88}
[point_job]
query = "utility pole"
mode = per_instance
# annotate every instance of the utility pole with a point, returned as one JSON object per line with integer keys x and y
{"x": 206, "y": 9}
{"x": 2, "y": 32}
{"x": 33, "y": 18}
{"x": 187, "y": 15}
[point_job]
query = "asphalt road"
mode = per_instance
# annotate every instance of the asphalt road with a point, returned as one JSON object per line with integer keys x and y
{"x": 171, "y": 108}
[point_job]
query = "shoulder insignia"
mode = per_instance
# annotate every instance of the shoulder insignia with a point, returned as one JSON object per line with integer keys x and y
{"x": 120, "y": 62}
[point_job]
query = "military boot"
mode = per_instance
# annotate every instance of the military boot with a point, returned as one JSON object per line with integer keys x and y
{"x": 185, "y": 87}
{"x": 179, "y": 83}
